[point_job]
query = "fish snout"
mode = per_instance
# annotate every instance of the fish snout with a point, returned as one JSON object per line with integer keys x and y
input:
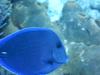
{"x": 59, "y": 55}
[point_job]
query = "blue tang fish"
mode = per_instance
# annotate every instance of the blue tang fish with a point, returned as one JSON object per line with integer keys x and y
{"x": 32, "y": 51}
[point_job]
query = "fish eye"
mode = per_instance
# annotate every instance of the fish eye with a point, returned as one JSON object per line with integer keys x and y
{"x": 58, "y": 45}
{"x": 50, "y": 62}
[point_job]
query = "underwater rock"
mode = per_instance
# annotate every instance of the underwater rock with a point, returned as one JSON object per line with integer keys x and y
{"x": 77, "y": 26}
{"x": 38, "y": 16}
{"x": 69, "y": 10}
{"x": 84, "y": 59}
{"x": 33, "y": 15}
{"x": 5, "y": 9}
{"x": 14, "y": 1}
{"x": 18, "y": 15}
{"x": 6, "y": 26}
{"x": 73, "y": 21}
{"x": 95, "y": 7}
{"x": 10, "y": 29}
{"x": 97, "y": 22}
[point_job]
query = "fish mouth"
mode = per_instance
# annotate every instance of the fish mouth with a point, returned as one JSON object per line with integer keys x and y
{"x": 51, "y": 66}
{"x": 60, "y": 56}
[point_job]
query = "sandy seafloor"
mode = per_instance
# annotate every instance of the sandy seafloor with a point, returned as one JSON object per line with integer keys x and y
{"x": 77, "y": 23}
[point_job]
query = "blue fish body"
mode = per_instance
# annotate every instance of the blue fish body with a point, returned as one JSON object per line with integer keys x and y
{"x": 32, "y": 51}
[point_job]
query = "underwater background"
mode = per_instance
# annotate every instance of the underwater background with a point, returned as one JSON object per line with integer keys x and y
{"x": 77, "y": 23}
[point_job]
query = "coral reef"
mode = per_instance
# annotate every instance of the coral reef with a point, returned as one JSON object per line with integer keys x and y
{"x": 34, "y": 15}
{"x": 81, "y": 33}
{"x": 78, "y": 26}
{"x": 4, "y": 16}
